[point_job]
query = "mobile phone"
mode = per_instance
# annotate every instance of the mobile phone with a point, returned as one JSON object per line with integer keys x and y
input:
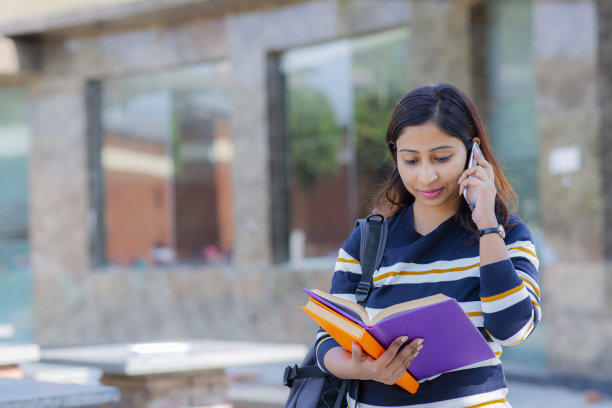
{"x": 469, "y": 195}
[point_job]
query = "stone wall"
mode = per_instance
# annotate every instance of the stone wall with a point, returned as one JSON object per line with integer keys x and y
{"x": 226, "y": 303}
{"x": 575, "y": 275}
{"x": 77, "y": 304}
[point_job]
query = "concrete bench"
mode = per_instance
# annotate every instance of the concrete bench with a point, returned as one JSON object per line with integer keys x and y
{"x": 173, "y": 374}
{"x": 12, "y": 355}
{"x": 28, "y": 393}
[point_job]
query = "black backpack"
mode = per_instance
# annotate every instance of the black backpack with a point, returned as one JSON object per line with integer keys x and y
{"x": 310, "y": 387}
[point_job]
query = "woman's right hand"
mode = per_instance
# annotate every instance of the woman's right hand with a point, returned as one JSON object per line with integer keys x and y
{"x": 390, "y": 366}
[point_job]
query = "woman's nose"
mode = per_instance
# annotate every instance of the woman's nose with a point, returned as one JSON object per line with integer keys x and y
{"x": 427, "y": 175}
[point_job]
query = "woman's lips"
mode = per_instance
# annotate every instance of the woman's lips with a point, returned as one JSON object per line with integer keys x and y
{"x": 430, "y": 193}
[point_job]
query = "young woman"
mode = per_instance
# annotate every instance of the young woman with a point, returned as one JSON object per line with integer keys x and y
{"x": 484, "y": 257}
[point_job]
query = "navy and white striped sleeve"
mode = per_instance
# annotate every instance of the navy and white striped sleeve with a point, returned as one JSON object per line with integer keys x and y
{"x": 509, "y": 291}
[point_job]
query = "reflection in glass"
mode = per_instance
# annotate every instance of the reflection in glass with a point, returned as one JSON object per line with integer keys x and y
{"x": 511, "y": 110}
{"x": 15, "y": 277}
{"x": 166, "y": 156}
{"x": 339, "y": 97}
{"x": 511, "y": 118}
{"x": 14, "y": 181}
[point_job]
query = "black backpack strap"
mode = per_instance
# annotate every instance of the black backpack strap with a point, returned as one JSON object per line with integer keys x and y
{"x": 294, "y": 372}
{"x": 341, "y": 394}
{"x": 373, "y": 241}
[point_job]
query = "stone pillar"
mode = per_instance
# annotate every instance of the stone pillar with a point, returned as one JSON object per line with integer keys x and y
{"x": 440, "y": 44}
{"x": 59, "y": 198}
{"x": 604, "y": 14}
{"x": 59, "y": 235}
{"x": 247, "y": 57}
{"x": 569, "y": 117}
{"x": 576, "y": 302}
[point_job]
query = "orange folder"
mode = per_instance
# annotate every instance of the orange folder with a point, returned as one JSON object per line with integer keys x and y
{"x": 345, "y": 332}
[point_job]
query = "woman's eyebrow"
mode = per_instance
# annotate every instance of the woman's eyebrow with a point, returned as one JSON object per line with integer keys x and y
{"x": 431, "y": 150}
{"x": 442, "y": 148}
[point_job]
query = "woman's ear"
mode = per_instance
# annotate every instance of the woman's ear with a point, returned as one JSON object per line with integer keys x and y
{"x": 477, "y": 140}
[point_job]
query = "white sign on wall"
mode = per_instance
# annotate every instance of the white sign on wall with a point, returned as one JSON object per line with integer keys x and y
{"x": 564, "y": 160}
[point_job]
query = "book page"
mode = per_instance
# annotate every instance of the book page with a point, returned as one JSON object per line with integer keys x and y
{"x": 406, "y": 306}
{"x": 346, "y": 306}
{"x": 338, "y": 321}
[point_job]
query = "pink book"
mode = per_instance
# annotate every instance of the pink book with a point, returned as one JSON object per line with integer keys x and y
{"x": 451, "y": 340}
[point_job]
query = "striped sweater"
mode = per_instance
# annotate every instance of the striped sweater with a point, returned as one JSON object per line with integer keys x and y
{"x": 502, "y": 299}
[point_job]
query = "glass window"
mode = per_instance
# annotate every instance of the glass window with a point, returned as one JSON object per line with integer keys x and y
{"x": 166, "y": 155}
{"x": 511, "y": 111}
{"x": 339, "y": 97}
{"x": 15, "y": 278}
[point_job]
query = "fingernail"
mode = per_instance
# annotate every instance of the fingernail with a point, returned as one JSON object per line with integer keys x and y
{"x": 415, "y": 354}
{"x": 419, "y": 342}
{"x": 419, "y": 348}
{"x": 404, "y": 339}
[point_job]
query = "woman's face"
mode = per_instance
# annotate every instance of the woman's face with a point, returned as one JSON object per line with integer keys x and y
{"x": 430, "y": 162}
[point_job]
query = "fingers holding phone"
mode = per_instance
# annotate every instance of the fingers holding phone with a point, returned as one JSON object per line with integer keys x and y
{"x": 477, "y": 184}
{"x": 470, "y": 195}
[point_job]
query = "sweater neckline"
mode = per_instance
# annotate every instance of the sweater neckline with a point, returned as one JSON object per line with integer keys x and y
{"x": 412, "y": 233}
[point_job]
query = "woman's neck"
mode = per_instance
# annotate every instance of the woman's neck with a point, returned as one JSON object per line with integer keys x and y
{"x": 427, "y": 219}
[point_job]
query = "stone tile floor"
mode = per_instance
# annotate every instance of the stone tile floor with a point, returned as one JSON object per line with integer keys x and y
{"x": 524, "y": 395}
{"x": 521, "y": 394}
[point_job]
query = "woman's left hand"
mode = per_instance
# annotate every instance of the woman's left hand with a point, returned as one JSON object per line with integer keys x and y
{"x": 483, "y": 183}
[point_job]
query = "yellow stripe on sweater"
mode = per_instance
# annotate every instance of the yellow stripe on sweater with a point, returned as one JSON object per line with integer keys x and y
{"x": 535, "y": 290}
{"x": 520, "y": 248}
{"x": 526, "y": 333}
{"x": 502, "y": 295}
{"x": 484, "y": 404}
{"x": 348, "y": 260}
{"x": 459, "y": 269}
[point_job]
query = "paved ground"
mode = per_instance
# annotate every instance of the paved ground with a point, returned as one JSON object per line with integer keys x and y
{"x": 521, "y": 394}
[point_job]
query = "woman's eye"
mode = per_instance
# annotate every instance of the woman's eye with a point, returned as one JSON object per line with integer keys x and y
{"x": 413, "y": 161}
{"x": 443, "y": 158}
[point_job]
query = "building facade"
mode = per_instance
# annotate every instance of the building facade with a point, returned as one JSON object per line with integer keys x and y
{"x": 181, "y": 169}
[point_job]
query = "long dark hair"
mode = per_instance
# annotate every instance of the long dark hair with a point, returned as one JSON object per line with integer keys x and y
{"x": 451, "y": 110}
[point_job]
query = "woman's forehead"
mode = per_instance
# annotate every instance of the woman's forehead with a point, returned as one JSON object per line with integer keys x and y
{"x": 426, "y": 136}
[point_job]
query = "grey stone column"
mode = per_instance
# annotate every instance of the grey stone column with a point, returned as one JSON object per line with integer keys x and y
{"x": 247, "y": 56}
{"x": 58, "y": 178}
{"x": 59, "y": 236}
{"x": 569, "y": 117}
{"x": 440, "y": 44}
{"x": 604, "y": 14}
{"x": 576, "y": 307}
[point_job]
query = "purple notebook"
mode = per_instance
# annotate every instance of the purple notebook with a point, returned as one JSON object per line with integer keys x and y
{"x": 450, "y": 339}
